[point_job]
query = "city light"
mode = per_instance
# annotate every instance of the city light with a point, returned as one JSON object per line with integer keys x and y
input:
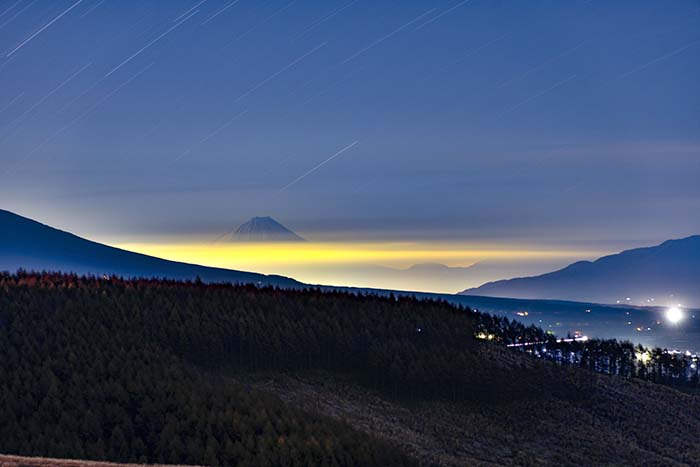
{"x": 674, "y": 315}
{"x": 483, "y": 335}
{"x": 644, "y": 357}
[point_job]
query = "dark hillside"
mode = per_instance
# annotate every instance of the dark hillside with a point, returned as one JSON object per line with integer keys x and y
{"x": 625, "y": 423}
{"x": 30, "y": 245}
{"x": 165, "y": 371}
{"x": 22, "y": 461}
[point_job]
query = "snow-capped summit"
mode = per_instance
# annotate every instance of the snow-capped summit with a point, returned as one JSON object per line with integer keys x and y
{"x": 264, "y": 229}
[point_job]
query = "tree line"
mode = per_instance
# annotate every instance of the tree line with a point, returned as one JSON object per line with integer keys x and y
{"x": 121, "y": 370}
{"x": 134, "y": 370}
{"x": 608, "y": 356}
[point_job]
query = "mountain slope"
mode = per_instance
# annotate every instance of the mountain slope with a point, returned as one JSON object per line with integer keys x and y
{"x": 264, "y": 229}
{"x": 20, "y": 461}
{"x": 666, "y": 272}
{"x": 28, "y": 244}
{"x": 225, "y": 375}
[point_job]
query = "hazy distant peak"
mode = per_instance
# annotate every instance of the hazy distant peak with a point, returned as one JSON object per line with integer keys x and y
{"x": 428, "y": 267}
{"x": 670, "y": 269}
{"x": 264, "y": 229}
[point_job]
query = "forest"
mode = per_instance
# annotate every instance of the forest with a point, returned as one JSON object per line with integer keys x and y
{"x": 117, "y": 370}
{"x": 137, "y": 370}
{"x": 607, "y": 356}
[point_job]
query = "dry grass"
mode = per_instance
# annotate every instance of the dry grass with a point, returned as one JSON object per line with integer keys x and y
{"x": 617, "y": 427}
{"x": 19, "y": 461}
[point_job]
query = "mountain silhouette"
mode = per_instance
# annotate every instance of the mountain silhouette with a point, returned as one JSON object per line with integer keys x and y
{"x": 30, "y": 245}
{"x": 264, "y": 229}
{"x": 436, "y": 277}
{"x": 667, "y": 273}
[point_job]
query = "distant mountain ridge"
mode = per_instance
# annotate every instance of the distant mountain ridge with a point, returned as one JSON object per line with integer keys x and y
{"x": 666, "y": 272}
{"x": 264, "y": 229}
{"x": 30, "y": 245}
{"x": 437, "y": 277}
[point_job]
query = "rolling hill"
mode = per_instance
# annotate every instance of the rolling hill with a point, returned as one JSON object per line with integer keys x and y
{"x": 666, "y": 273}
{"x": 213, "y": 374}
{"x": 30, "y": 245}
{"x": 21, "y": 461}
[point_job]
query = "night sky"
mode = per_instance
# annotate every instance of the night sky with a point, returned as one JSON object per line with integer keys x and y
{"x": 521, "y": 123}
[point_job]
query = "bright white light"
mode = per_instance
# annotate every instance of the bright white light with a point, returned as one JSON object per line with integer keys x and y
{"x": 643, "y": 357}
{"x": 674, "y": 314}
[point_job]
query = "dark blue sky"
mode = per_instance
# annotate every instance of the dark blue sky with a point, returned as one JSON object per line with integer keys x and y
{"x": 542, "y": 121}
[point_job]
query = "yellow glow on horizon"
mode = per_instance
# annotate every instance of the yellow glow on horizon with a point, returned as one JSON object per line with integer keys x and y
{"x": 354, "y": 263}
{"x": 259, "y": 256}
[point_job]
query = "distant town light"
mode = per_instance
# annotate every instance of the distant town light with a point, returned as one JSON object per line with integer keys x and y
{"x": 643, "y": 357}
{"x": 674, "y": 315}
